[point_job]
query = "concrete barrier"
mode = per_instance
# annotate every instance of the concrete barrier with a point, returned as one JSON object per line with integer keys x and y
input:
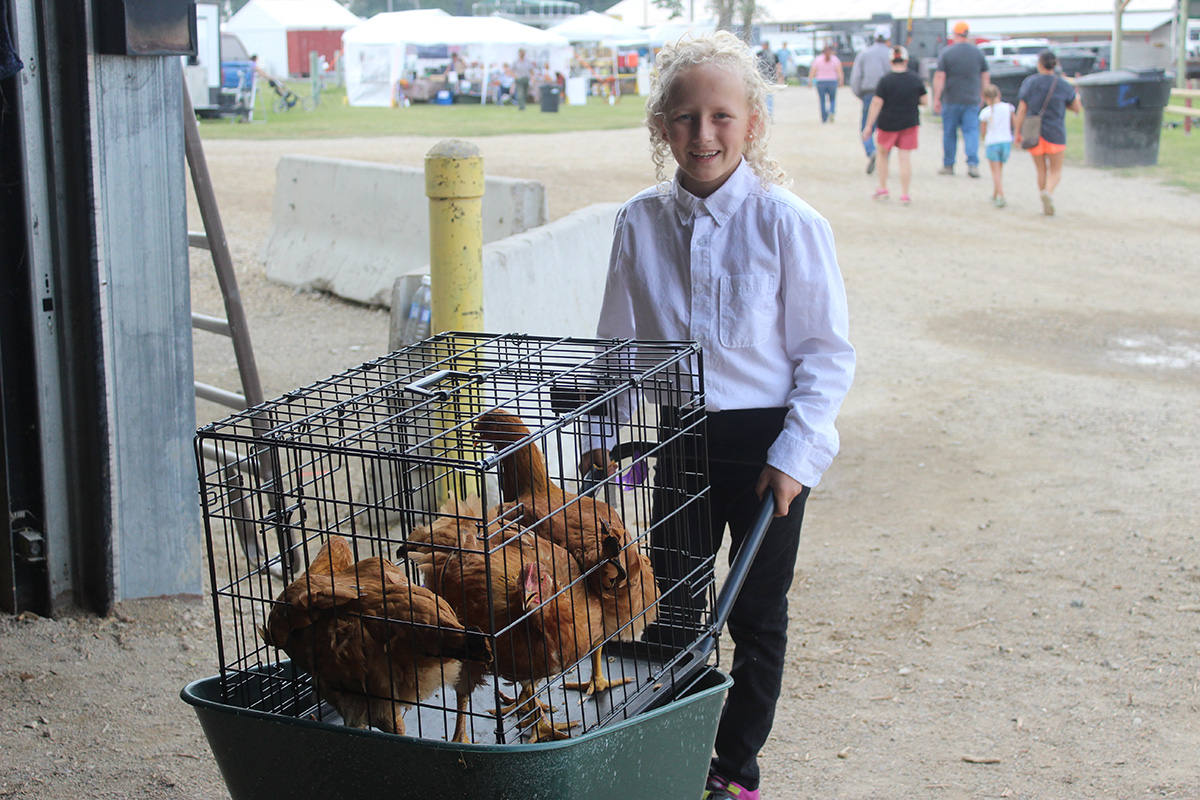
{"x": 548, "y": 281}
{"x": 352, "y": 227}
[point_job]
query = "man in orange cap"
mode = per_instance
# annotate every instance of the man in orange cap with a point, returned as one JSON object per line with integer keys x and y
{"x": 962, "y": 74}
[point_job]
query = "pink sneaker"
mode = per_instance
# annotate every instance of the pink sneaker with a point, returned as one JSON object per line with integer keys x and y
{"x": 880, "y": 194}
{"x": 720, "y": 789}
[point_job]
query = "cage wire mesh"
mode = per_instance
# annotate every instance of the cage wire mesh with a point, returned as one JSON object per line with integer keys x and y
{"x": 409, "y": 545}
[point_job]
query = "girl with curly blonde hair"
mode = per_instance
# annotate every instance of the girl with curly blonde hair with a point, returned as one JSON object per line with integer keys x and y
{"x": 721, "y": 49}
{"x": 724, "y": 256}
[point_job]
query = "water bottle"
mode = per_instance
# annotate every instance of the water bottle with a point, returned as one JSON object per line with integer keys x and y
{"x": 416, "y": 326}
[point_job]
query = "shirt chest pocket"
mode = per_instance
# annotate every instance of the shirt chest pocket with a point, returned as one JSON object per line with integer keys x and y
{"x": 747, "y": 309}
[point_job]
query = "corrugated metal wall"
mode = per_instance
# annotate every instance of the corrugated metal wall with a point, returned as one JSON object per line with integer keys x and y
{"x": 96, "y": 358}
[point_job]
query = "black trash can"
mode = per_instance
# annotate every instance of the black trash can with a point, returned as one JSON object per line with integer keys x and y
{"x": 1122, "y": 116}
{"x": 550, "y": 94}
{"x": 1008, "y": 79}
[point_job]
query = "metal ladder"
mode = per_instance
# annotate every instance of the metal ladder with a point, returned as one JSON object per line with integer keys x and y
{"x": 213, "y": 240}
{"x": 234, "y": 326}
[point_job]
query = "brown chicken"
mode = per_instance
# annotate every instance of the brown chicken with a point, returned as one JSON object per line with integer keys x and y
{"x": 589, "y": 529}
{"x": 374, "y": 642}
{"x": 624, "y": 583}
{"x": 626, "y": 611}
{"x": 527, "y": 591}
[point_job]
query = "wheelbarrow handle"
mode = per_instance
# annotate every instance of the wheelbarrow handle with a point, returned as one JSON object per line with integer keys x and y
{"x": 703, "y": 647}
{"x": 740, "y": 567}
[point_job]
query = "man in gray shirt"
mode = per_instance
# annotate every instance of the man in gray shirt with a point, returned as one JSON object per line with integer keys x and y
{"x": 522, "y": 71}
{"x": 962, "y": 74}
{"x": 870, "y": 65}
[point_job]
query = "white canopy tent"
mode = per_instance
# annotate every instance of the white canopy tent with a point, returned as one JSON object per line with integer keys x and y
{"x": 264, "y": 25}
{"x": 674, "y": 31}
{"x": 594, "y": 27}
{"x": 383, "y": 49}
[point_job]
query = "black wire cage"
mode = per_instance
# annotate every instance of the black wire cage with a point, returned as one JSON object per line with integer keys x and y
{"x": 409, "y": 545}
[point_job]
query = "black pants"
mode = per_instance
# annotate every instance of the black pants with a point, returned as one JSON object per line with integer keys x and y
{"x": 737, "y": 444}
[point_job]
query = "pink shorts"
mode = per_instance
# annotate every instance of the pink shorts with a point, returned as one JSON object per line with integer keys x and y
{"x": 901, "y": 140}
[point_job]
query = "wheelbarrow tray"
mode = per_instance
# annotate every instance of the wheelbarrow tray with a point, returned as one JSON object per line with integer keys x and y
{"x": 660, "y": 753}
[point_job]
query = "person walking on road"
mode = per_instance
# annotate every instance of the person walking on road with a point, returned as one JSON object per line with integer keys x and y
{"x": 995, "y": 122}
{"x": 962, "y": 74}
{"x": 787, "y": 64}
{"x": 826, "y": 72}
{"x": 522, "y": 71}
{"x": 896, "y": 112}
{"x": 1053, "y": 96}
{"x": 870, "y": 65}
{"x": 772, "y": 72}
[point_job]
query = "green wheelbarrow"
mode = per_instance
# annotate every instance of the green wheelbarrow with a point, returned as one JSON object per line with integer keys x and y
{"x": 660, "y": 753}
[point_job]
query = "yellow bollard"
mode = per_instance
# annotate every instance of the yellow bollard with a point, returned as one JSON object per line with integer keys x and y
{"x": 454, "y": 186}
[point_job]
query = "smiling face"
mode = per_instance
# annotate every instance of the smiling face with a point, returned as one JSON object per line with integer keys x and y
{"x": 707, "y": 123}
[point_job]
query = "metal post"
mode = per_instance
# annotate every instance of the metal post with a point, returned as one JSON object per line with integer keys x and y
{"x": 1187, "y": 118}
{"x": 1118, "y": 34}
{"x": 454, "y": 186}
{"x": 1181, "y": 23}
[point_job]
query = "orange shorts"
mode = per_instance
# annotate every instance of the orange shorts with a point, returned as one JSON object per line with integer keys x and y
{"x": 1044, "y": 148}
{"x": 901, "y": 140}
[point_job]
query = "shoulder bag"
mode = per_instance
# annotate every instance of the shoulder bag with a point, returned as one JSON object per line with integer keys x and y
{"x": 1031, "y": 126}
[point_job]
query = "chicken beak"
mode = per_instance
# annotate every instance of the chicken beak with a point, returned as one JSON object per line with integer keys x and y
{"x": 612, "y": 573}
{"x": 531, "y": 583}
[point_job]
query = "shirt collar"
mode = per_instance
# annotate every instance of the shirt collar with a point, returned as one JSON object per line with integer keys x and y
{"x": 722, "y": 203}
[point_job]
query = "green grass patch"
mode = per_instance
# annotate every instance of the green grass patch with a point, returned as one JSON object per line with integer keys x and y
{"x": 1178, "y": 153}
{"x": 334, "y": 118}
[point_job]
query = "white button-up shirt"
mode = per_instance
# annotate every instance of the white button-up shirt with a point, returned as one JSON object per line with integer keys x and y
{"x": 750, "y": 274}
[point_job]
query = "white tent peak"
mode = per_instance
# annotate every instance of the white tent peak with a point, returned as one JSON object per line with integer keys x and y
{"x": 670, "y": 32}
{"x": 596, "y": 27}
{"x": 388, "y": 23}
{"x": 433, "y": 26}
{"x": 293, "y": 15}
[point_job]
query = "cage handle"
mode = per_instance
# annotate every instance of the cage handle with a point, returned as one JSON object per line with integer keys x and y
{"x": 421, "y": 386}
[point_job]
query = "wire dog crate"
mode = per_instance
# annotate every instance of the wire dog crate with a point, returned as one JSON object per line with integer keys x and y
{"x": 408, "y": 545}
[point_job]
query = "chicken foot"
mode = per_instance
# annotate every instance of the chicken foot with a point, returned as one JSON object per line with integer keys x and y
{"x": 534, "y": 720}
{"x": 599, "y": 682}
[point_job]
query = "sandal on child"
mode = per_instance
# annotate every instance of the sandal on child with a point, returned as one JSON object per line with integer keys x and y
{"x": 880, "y": 194}
{"x": 905, "y": 199}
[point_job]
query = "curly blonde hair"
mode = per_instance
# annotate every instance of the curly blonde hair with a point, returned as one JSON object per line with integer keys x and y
{"x": 728, "y": 51}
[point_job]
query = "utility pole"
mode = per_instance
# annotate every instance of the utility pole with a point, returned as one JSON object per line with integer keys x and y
{"x": 1181, "y": 27}
{"x": 1118, "y": 32}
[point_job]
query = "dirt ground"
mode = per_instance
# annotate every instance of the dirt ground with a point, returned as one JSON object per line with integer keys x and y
{"x": 998, "y": 592}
